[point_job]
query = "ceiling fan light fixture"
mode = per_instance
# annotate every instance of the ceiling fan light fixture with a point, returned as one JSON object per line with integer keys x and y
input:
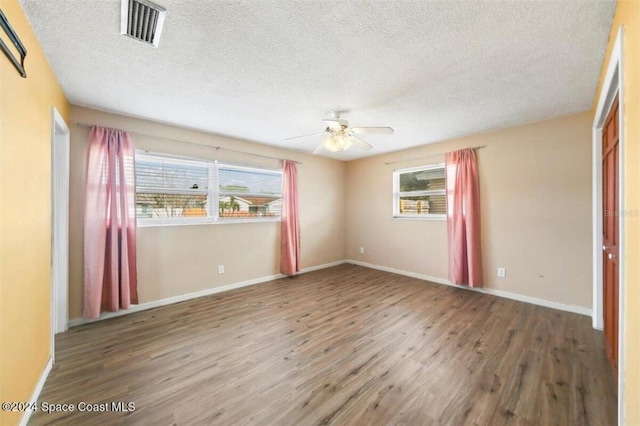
{"x": 331, "y": 144}
{"x": 337, "y": 142}
{"x": 340, "y": 136}
{"x": 344, "y": 141}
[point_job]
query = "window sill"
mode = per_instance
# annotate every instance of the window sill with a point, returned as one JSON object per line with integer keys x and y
{"x": 152, "y": 223}
{"x": 442, "y": 217}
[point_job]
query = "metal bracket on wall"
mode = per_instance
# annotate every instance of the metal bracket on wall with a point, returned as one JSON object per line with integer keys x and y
{"x": 22, "y": 51}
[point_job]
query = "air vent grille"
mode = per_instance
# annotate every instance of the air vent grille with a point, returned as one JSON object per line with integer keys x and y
{"x": 142, "y": 20}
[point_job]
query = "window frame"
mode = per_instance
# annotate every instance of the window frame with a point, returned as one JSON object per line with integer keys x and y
{"x": 397, "y": 194}
{"x": 213, "y": 193}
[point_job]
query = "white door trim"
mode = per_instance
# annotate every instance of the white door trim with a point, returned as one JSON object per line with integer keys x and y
{"x": 59, "y": 226}
{"x": 613, "y": 83}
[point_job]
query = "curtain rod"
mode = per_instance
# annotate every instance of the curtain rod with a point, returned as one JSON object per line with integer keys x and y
{"x": 217, "y": 148}
{"x": 428, "y": 156}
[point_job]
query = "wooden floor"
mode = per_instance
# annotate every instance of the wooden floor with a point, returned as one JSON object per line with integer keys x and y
{"x": 346, "y": 345}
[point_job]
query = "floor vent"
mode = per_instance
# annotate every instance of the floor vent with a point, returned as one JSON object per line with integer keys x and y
{"x": 142, "y": 20}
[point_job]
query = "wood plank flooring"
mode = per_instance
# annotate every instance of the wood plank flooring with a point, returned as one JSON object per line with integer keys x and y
{"x": 345, "y": 345}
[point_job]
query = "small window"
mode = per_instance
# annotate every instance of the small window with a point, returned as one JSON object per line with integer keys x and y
{"x": 419, "y": 192}
{"x": 172, "y": 190}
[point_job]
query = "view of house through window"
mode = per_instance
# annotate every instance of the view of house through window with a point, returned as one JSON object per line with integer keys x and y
{"x": 246, "y": 192}
{"x": 174, "y": 190}
{"x": 420, "y": 192}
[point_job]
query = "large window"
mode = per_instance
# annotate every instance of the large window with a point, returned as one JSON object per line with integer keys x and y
{"x": 173, "y": 190}
{"x": 419, "y": 192}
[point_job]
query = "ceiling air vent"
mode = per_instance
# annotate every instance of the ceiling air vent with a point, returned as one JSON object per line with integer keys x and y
{"x": 142, "y": 20}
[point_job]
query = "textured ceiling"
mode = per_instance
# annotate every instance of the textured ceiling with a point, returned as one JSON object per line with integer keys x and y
{"x": 269, "y": 69}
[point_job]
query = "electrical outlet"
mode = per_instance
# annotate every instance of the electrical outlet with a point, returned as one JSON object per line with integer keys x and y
{"x": 502, "y": 272}
{"x": 361, "y": 250}
{"x": 220, "y": 269}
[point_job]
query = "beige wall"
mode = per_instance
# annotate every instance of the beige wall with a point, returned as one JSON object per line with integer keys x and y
{"x": 628, "y": 15}
{"x": 175, "y": 260}
{"x": 25, "y": 215}
{"x": 535, "y": 184}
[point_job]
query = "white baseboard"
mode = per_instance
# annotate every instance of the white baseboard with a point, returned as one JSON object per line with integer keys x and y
{"x": 36, "y": 392}
{"x": 323, "y": 266}
{"x": 175, "y": 299}
{"x": 519, "y": 297}
{"x": 400, "y": 272}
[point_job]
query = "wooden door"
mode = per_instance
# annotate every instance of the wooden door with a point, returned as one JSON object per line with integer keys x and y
{"x": 610, "y": 232}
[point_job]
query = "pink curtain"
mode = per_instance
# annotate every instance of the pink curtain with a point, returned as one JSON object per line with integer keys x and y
{"x": 110, "y": 281}
{"x": 290, "y": 224}
{"x": 463, "y": 218}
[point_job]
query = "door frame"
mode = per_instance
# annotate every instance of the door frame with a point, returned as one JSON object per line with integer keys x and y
{"x": 613, "y": 83}
{"x": 60, "y": 148}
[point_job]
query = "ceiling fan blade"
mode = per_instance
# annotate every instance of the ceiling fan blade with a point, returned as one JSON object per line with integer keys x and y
{"x": 336, "y": 122}
{"x": 304, "y": 136}
{"x": 360, "y": 143}
{"x": 379, "y": 130}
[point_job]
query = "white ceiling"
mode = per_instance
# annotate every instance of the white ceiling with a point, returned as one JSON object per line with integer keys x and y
{"x": 264, "y": 70}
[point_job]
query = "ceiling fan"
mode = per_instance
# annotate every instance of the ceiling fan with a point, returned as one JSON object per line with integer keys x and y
{"x": 340, "y": 136}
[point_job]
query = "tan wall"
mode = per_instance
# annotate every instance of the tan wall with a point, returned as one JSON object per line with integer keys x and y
{"x": 628, "y": 15}
{"x": 535, "y": 184}
{"x": 175, "y": 260}
{"x": 25, "y": 215}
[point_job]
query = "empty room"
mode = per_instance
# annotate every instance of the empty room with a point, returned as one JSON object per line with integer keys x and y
{"x": 297, "y": 212}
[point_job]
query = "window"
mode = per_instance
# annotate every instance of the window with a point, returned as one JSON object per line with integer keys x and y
{"x": 419, "y": 192}
{"x": 247, "y": 192}
{"x": 173, "y": 190}
{"x": 170, "y": 187}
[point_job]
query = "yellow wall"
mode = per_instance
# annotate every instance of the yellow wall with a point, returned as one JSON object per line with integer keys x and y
{"x": 25, "y": 214}
{"x": 628, "y": 15}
